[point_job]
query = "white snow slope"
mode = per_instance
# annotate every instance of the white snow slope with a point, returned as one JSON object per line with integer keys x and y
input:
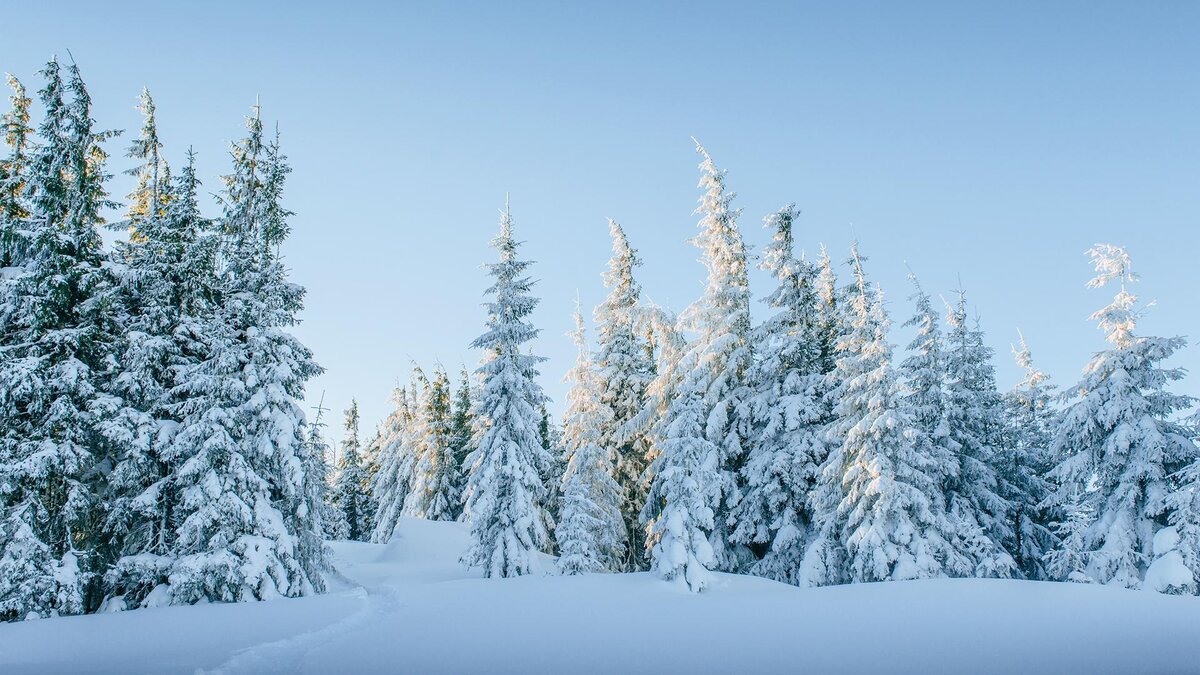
{"x": 410, "y": 607}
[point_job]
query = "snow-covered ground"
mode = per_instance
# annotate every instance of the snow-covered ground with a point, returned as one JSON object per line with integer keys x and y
{"x": 410, "y": 607}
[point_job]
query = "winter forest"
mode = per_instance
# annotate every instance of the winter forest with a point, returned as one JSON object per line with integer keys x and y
{"x": 154, "y": 450}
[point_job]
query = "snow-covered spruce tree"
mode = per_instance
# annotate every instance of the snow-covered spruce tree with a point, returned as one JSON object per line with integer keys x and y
{"x": 1176, "y": 566}
{"x": 350, "y": 493}
{"x": 1117, "y": 442}
{"x": 435, "y": 493}
{"x": 828, "y": 313}
{"x": 1069, "y": 560}
{"x": 461, "y": 423}
{"x": 319, "y": 474}
{"x": 56, "y": 353}
{"x": 239, "y": 451}
{"x": 712, "y": 386}
{"x": 14, "y": 168}
{"x": 505, "y": 493}
{"x": 393, "y": 480}
{"x": 167, "y": 292}
{"x": 924, "y": 399}
{"x": 1024, "y": 462}
{"x": 659, "y": 328}
{"x": 625, "y": 367}
{"x": 694, "y": 488}
{"x": 877, "y": 502}
{"x": 976, "y": 424}
{"x": 787, "y": 413}
{"x": 591, "y": 532}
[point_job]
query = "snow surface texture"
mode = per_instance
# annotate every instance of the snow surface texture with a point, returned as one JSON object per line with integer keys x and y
{"x": 409, "y": 606}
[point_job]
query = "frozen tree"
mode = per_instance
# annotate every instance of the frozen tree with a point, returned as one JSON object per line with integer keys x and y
{"x": 591, "y": 532}
{"x": 1024, "y": 462}
{"x": 925, "y": 401}
{"x": 434, "y": 494}
{"x": 1117, "y": 441}
{"x": 350, "y": 492}
{"x": 14, "y": 175}
{"x": 828, "y": 313}
{"x": 393, "y": 480}
{"x": 975, "y": 422}
{"x": 787, "y": 413}
{"x": 240, "y": 447}
{"x": 319, "y": 475}
{"x": 659, "y": 327}
{"x": 1069, "y": 560}
{"x": 878, "y": 500}
{"x": 505, "y": 494}
{"x": 167, "y": 290}
{"x": 1176, "y": 567}
{"x": 711, "y": 389}
{"x": 56, "y": 351}
{"x": 461, "y": 421}
{"x": 625, "y": 369}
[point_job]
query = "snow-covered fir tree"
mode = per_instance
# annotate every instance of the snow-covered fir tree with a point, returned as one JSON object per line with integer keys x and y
{"x": 925, "y": 401}
{"x": 240, "y": 447}
{"x": 167, "y": 294}
{"x": 393, "y": 480}
{"x": 1118, "y": 443}
{"x": 1176, "y": 566}
{"x": 319, "y": 461}
{"x": 1069, "y": 560}
{"x": 878, "y": 500}
{"x": 350, "y": 493}
{"x": 591, "y": 531}
{"x": 625, "y": 369}
{"x": 1024, "y": 462}
{"x": 829, "y": 312}
{"x": 461, "y": 423}
{"x": 56, "y": 341}
{"x": 711, "y": 389}
{"x": 505, "y": 494}
{"x": 787, "y": 413}
{"x": 14, "y": 174}
{"x": 434, "y": 494}
{"x": 975, "y": 422}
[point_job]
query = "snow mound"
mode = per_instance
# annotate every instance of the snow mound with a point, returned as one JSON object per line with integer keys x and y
{"x": 412, "y": 607}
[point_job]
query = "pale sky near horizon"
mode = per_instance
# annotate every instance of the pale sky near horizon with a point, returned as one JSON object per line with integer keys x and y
{"x": 991, "y": 143}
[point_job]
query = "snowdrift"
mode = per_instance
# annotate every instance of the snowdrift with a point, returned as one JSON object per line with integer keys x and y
{"x": 410, "y": 607}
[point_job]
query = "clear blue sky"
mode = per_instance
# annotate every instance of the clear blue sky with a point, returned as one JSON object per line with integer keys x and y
{"x": 987, "y": 142}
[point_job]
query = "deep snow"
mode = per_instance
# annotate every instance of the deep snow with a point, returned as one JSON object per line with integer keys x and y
{"x": 410, "y": 607}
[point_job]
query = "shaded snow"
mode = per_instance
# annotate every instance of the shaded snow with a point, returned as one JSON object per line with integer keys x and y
{"x": 410, "y": 607}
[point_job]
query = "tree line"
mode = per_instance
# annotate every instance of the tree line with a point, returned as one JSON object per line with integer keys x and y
{"x": 153, "y": 449}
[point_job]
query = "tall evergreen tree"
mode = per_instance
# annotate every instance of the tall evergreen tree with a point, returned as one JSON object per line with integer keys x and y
{"x": 435, "y": 493}
{"x": 351, "y": 492}
{"x": 1024, "y": 463}
{"x": 975, "y": 421}
{"x": 240, "y": 446}
{"x": 167, "y": 294}
{"x": 712, "y": 388}
{"x": 393, "y": 480}
{"x": 1117, "y": 443}
{"x": 925, "y": 402}
{"x": 625, "y": 368}
{"x": 318, "y": 462}
{"x": 787, "y": 413}
{"x": 505, "y": 494}
{"x": 591, "y": 531}
{"x": 14, "y": 176}
{"x": 461, "y": 422}
{"x": 56, "y": 351}
{"x": 878, "y": 500}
